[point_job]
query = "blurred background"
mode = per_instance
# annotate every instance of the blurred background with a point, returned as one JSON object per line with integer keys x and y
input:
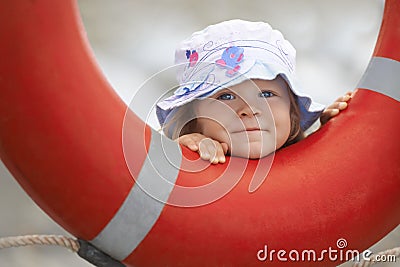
{"x": 133, "y": 40}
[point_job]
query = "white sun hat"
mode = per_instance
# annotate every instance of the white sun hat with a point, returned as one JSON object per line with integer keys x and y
{"x": 228, "y": 53}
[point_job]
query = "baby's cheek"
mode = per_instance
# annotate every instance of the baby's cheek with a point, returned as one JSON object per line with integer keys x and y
{"x": 223, "y": 136}
{"x": 214, "y": 129}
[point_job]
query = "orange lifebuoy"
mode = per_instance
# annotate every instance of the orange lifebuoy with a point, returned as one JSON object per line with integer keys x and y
{"x": 61, "y": 135}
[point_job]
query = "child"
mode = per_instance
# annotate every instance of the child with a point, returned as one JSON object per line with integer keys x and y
{"x": 238, "y": 94}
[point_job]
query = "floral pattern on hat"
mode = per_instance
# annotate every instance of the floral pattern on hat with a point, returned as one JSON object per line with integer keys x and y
{"x": 193, "y": 57}
{"x": 230, "y": 59}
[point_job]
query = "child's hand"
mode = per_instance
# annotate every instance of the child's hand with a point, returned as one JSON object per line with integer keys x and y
{"x": 334, "y": 109}
{"x": 207, "y": 148}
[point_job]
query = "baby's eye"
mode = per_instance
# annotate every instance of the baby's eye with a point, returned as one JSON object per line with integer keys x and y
{"x": 226, "y": 96}
{"x": 266, "y": 94}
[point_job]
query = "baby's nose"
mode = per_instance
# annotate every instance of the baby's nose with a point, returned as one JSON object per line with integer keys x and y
{"x": 249, "y": 110}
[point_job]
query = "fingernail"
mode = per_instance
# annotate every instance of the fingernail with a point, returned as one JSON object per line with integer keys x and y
{"x": 342, "y": 105}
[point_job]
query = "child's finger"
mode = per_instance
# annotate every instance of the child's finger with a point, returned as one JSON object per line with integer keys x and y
{"x": 188, "y": 142}
{"x": 344, "y": 98}
{"x": 332, "y": 112}
{"x": 328, "y": 114}
{"x": 206, "y": 149}
{"x": 220, "y": 153}
{"x": 204, "y": 154}
{"x": 191, "y": 144}
{"x": 214, "y": 152}
{"x": 225, "y": 148}
{"x": 338, "y": 105}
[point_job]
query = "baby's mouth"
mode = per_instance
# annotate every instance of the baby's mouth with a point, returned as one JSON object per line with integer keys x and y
{"x": 250, "y": 129}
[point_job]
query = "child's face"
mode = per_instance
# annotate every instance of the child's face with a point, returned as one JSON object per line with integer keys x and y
{"x": 253, "y": 117}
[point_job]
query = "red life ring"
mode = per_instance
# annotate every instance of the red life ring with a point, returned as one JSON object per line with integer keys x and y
{"x": 60, "y": 136}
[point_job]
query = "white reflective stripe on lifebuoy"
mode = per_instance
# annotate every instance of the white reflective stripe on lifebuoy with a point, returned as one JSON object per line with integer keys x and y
{"x": 383, "y": 76}
{"x": 142, "y": 207}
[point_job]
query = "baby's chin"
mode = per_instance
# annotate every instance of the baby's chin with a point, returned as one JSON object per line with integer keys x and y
{"x": 252, "y": 150}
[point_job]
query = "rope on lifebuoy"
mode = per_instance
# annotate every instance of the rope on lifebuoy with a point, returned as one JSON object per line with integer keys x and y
{"x": 374, "y": 260}
{"x": 51, "y": 240}
{"x": 83, "y": 248}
